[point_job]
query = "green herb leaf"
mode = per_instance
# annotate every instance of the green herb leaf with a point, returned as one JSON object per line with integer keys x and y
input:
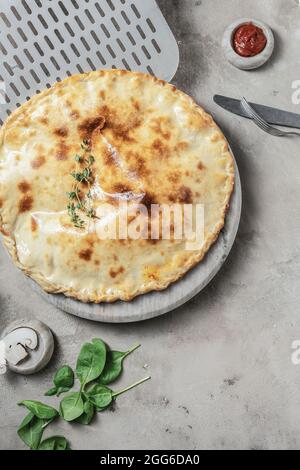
{"x": 54, "y": 443}
{"x": 100, "y": 396}
{"x": 90, "y": 213}
{"x": 84, "y": 176}
{"x": 71, "y": 407}
{"x": 40, "y": 410}
{"x": 86, "y": 173}
{"x": 63, "y": 381}
{"x": 51, "y": 392}
{"x": 91, "y": 361}
{"x": 31, "y": 430}
{"x": 64, "y": 377}
{"x": 114, "y": 365}
{"x": 88, "y": 414}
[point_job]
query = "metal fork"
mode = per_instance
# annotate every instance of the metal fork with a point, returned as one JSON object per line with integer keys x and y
{"x": 261, "y": 123}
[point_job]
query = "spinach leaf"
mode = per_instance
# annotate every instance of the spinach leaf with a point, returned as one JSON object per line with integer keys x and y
{"x": 31, "y": 430}
{"x": 40, "y": 410}
{"x": 88, "y": 413}
{"x": 96, "y": 363}
{"x": 71, "y": 407}
{"x": 100, "y": 396}
{"x": 54, "y": 443}
{"x": 91, "y": 361}
{"x": 63, "y": 381}
{"x": 114, "y": 365}
{"x": 51, "y": 392}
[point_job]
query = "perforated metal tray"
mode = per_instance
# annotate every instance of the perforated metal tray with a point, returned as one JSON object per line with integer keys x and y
{"x": 43, "y": 41}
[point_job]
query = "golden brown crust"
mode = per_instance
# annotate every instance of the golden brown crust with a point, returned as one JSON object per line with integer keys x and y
{"x": 144, "y": 129}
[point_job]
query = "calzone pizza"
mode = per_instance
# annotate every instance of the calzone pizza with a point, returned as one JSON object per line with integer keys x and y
{"x": 98, "y": 151}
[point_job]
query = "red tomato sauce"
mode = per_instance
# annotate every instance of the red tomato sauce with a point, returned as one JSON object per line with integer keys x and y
{"x": 249, "y": 40}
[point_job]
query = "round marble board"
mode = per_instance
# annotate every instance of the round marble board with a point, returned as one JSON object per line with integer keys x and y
{"x": 154, "y": 304}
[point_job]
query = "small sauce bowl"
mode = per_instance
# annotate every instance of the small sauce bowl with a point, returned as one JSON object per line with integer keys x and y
{"x": 247, "y": 63}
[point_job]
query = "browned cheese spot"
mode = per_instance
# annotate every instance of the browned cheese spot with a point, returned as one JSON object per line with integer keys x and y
{"x": 154, "y": 276}
{"x": 157, "y": 127}
{"x": 181, "y": 146}
{"x": 140, "y": 167}
{"x": 174, "y": 176}
{"x": 201, "y": 166}
{"x": 38, "y": 162}
{"x": 75, "y": 115}
{"x": 107, "y": 113}
{"x": 152, "y": 241}
{"x": 62, "y": 152}
{"x": 122, "y": 131}
{"x": 91, "y": 240}
{"x": 44, "y": 120}
{"x": 108, "y": 157}
{"x": 97, "y": 262}
{"x": 114, "y": 274}
{"x": 136, "y": 104}
{"x": 148, "y": 200}
{"x": 102, "y": 94}
{"x": 34, "y": 225}
{"x": 24, "y": 187}
{"x": 86, "y": 255}
{"x": 88, "y": 126}
{"x": 1, "y": 203}
{"x": 122, "y": 188}
{"x": 184, "y": 195}
{"x": 25, "y": 204}
{"x": 160, "y": 149}
{"x": 137, "y": 163}
{"x": 62, "y": 132}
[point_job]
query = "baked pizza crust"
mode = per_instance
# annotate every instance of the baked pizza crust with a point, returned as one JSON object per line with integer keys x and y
{"x": 148, "y": 138}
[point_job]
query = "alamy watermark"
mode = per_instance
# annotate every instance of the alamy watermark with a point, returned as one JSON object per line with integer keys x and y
{"x": 134, "y": 221}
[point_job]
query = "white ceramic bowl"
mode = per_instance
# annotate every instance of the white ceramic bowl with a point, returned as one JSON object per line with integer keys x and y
{"x": 41, "y": 355}
{"x": 247, "y": 63}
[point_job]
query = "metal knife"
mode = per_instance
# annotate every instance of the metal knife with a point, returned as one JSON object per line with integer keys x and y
{"x": 273, "y": 116}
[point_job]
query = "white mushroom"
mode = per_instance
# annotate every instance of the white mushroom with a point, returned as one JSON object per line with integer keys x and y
{"x": 16, "y": 343}
{"x": 29, "y": 346}
{"x": 31, "y": 340}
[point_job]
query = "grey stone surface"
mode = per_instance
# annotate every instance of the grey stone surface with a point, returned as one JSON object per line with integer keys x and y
{"x": 221, "y": 368}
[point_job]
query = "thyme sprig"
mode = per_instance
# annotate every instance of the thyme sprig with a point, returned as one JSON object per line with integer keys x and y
{"x": 83, "y": 175}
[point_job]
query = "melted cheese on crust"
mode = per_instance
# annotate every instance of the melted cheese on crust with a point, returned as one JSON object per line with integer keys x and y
{"x": 150, "y": 141}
